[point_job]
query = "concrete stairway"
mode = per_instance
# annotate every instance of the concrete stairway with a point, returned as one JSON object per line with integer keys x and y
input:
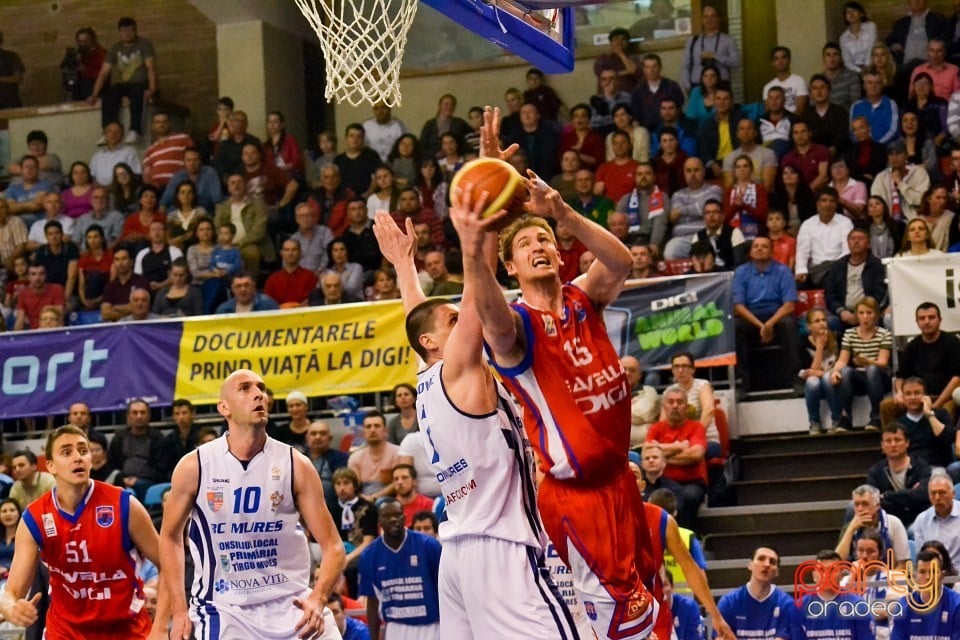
{"x": 792, "y": 494}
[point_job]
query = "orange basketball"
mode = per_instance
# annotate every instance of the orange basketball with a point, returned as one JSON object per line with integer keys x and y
{"x": 503, "y": 184}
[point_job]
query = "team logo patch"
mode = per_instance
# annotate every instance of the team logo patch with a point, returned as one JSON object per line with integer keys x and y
{"x": 275, "y": 473}
{"x": 549, "y": 327}
{"x": 275, "y": 499}
{"x": 591, "y": 609}
{"x": 579, "y": 311}
{"x": 49, "y": 525}
{"x": 215, "y": 499}
{"x": 225, "y": 563}
{"x": 221, "y": 586}
{"x": 105, "y": 516}
{"x": 414, "y": 561}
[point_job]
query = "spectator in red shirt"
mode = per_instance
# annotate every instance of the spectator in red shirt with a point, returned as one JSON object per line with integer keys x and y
{"x": 274, "y": 185}
{"x": 684, "y": 443}
{"x": 136, "y": 227}
{"x": 92, "y": 56}
{"x": 615, "y": 178}
{"x": 290, "y": 285}
{"x": 808, "y": 158}
{"x": 582, "y": 139}
{"x": 408, "y": 206}
{"x": 331, "y": 199}
{"x": 281, "y": 149}
{"x": 784, "y": 245}
{"x": 405, "y": 484}
{"x": 164, "y": 157}
{"x": 35, "y": 297}
{"x": 570, "y": 250}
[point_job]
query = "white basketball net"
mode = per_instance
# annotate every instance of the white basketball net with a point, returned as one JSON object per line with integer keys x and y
{"x": 363, "y": 43}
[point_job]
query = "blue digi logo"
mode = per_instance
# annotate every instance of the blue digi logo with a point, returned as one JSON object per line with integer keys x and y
{"x": 221, "y": 586}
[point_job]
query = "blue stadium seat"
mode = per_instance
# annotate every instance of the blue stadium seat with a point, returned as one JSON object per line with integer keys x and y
{"x": 80, "y": 318}
{"x": 155, "y": 494}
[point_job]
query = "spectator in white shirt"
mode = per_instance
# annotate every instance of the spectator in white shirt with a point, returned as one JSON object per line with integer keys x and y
{"x": 822, "y": 240}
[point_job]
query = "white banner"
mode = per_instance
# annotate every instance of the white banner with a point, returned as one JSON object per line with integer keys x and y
{"x": 913, "y": 281}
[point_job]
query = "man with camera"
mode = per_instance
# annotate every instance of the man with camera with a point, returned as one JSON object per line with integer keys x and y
{"x": 81, "y": 65}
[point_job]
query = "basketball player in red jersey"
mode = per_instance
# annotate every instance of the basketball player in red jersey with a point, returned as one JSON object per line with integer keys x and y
{"x": 552, "y": 349}
{"x": 86, "y": 532}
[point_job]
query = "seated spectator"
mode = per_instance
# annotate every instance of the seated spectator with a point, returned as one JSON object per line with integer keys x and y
{"x": 784, "y": 245}
{"x": 273, "y": 185}
{"x": 864, "y": 363}
{"x": 251, "y": 232}
{"x": 136, "y": 227}
{"x": 793, "y": 86}
{"x": 581, "y": 138}
{"x": 822, "y": 241}
{"x": 615, "y": 177}
{"x": 808, "y": 158}
{"x": 93, "y": 269}
{"x": 642, "y": 264}
{"x": 684, "y": 444}
{"x": 204, "y": 177}
{"x": 700, "y": 100}
{"x": 282, "y": 150}
{"x": 330, "y": 292}
{"x": 672, "y": 117}
{"x": 828, "y": 121}
{"x": 930, "y": 431}
{"x": 944, "y": 231}
{"x": 116, "y": 293}
{"x": 33, "y": 298}
{"x": 245, "y": 297}
{"x": 359, "y": 239}
{"x": 587, "y": 202}
{"x": 940, "y": 521}
{"x": 851, "y": 193}
{"x": 917, "y": 240}
{"x": 291, "y": 284}
{"x": 225, "y": 260}
{"x": 181, "y": 440}
{"x": 358, "y": 162}
{"x": 330, "y": 199}
{"x": 154, "y": 261}
{"x": 405, "y": 159}
{"x": 228, "y": 160}
{"x": 717, "y": 135}
{"x": 109, "y": 220}
{"x": 668, "y": 162}
{"x": 384, "y": 285}
{"x": 728, "y": 242}
{"x": 817, "y": 358}
{"x": 125, "y": 189}
{"x": 52, "y": 212}
{"x": 900, "y": 478}
{"x": 844, "y": 84}
{"x": 351, "y": 273}
{"x": 934, "y": 358}
{"x": 794, "y": 197}
{"x": 100, "y": 467}
{"x": 408, "y": 206}
{"x": 646, "y": 207}
{"x": 314, "y": 239}
{"x": 644, "y": 402}
{"x": 405, "y": 422}
{"x": 565, "y": 181}
{"x": 538, "y": 140}
{"x": 921, "y": 149}
{"x": 638, "y": 136}
{"x": 776, "y": 122}
{"x": 139, "y": 307}
{"x": 764, "y": 295}
{"x": 294, "y": 431}
{"x": 13, "y": 236}
{"x": 608, "y": 96}
{"x": 385, "y": 191}
{"x": 373, "y": 463}
{"x": 703, "y": 259}
{"x": 349, "y": 628}
{"x": 881, "y": 112}
{"x": 183, "y": 215}
{"x": 886, "y": 236}
{"x": 445, "y": 120}
{"x": 568, "y": 246}
{"x": 653, "y": 464}
{"x": 29, "y": 482}
{"x": 26, "y": 197}
{"x": 164, "y": 157}
{"x": 931, "y": 109}
{"x": 178, "y": 298}
{"x": 852, "y": 277}
{"x": 686, "y": 212}
{"x": 944, "y": 74}
{"x": 652, "y": 88}
{"x": 49, "y": 165}
{"x": 866, "y": 157}
{"x": 701, "y": 403}
{"x": 539, "y": 93}
{"x": 621, "y": 63}
{"x": 76, "y": 198}
{"x": 405, "y": 486}
{"x": 432, "y": 186}
{"x": 764, "y": 160}
{"x": 325, "y": 458}
{"x": 355, "y": 517}
{"x": 60, "y": 259}
{"x": 135, "y": 449}
{"x": 867, "y": 514}
{"x": 114, "y": 151}
{"x": 745, "y": 202}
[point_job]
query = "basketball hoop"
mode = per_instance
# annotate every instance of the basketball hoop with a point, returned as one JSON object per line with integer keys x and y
{"x": 363, "y": 43}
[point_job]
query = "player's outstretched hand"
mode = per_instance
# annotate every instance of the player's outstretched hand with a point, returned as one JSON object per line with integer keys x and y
{"x": 311, "y": 624}
{"x": 181, "y": 628}
{"x": 545, "y": 201}
{"x": 466, "y": 211}
{"x": 490, "y": 136}
{"x": 395, "y": 245}
{"x": 23, "y": 613}
{"x": 723, "y": 629}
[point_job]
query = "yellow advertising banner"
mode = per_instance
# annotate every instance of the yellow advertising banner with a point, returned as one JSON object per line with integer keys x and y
{"x": 321, "y": 351}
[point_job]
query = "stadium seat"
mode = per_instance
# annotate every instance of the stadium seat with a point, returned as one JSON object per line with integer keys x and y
{"x": 723, "y": 428}
{"x": 154, "y": 494}
{"x": 678, "y": 267}
{"x": 80, "y": 318}
{"x": 811, "y": 299}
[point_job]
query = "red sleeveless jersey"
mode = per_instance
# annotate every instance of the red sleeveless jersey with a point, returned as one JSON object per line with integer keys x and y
{"x": 94, "y": 588}
{"x": 574, "y": 391}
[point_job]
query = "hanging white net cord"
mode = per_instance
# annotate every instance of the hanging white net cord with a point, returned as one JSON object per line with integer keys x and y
{"x": 363, "y": 43}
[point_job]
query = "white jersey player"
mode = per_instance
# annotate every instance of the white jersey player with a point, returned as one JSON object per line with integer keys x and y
{"x": 244, "y": 494}
{"x": 493, "y": 582}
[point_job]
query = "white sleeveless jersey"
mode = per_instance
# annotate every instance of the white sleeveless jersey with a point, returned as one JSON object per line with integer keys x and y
{"x": 246, "y": 542}
{"x": 484, "y": 464}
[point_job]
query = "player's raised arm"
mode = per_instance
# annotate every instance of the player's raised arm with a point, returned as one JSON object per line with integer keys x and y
{"x": 183, "y": 491}
{"x": 399, "y": 248}
{"x": 308, "y": 494}
{"x": 145, "y": 539}
{"x": 604, "y": 280}
{"x": 14, "y": 605}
